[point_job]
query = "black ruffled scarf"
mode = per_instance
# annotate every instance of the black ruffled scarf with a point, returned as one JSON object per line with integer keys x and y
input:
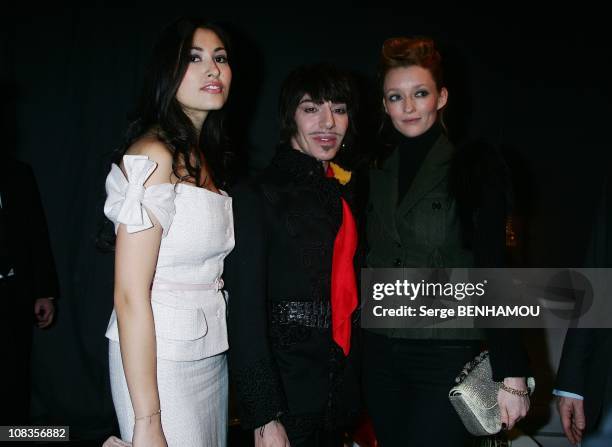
{"x": 307, "y": 171}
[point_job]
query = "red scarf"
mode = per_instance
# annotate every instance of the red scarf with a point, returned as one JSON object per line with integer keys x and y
{"x": 343, "y": 283}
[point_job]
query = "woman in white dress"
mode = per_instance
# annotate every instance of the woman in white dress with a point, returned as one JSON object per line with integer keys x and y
{"x": 174, "y": 228}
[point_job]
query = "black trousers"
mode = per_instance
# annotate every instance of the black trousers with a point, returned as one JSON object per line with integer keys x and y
{"x": 16, "y": 314}
{"x": 406, "y": 384}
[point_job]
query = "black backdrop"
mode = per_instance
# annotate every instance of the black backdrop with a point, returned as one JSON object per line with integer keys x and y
{"x": 535, "y": 86}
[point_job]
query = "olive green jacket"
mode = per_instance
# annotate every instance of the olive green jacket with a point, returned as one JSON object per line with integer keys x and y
{"x": 423, "y": 230}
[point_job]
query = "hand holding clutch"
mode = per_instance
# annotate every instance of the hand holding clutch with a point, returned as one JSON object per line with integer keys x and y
{"x": 475, "y": 397}
{"x": 513, "y": 401}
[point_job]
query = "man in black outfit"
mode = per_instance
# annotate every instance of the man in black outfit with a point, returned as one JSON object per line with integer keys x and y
{"x": 28, "y": 284}
{"x": 584, "y": 378}
{"x": 294, "y": 382}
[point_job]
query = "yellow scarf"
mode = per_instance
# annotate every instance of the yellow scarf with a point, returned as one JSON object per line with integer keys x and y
{"x": 342, "y": 175}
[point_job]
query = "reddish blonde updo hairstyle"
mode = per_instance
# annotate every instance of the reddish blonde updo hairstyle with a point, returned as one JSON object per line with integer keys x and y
{"x": 409, "y": 51}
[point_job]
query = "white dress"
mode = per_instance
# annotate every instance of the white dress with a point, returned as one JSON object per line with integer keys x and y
{"x": 189, "y": 307}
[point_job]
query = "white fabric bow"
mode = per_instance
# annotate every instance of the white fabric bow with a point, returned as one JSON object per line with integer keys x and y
{"x": 126, "y": 197}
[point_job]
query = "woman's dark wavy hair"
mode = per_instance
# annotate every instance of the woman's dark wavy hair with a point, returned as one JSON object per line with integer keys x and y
{"x": 323, "y": 82}
{"x": 159, "y": 111}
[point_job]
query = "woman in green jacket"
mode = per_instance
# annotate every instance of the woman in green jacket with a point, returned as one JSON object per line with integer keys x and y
{"x": 416, "y": 218}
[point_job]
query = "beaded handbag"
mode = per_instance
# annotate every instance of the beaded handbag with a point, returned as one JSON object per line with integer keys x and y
{"x": 475, "y": 397}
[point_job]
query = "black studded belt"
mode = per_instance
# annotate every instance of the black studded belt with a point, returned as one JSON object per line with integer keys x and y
{"x": 305, "y": 313}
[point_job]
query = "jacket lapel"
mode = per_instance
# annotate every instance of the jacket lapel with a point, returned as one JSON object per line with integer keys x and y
{"x": 432, "y": 172}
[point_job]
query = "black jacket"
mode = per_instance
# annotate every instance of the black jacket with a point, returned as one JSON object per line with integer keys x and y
{"x": 26, "y": 247}
{"x": 453, "y": 215}
{"x": 286, "y": 222}
{"x": 586, "y": 369}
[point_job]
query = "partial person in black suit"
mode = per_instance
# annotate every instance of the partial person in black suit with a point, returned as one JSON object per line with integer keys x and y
{"x": 584, "y": 385}
{"x": 584, "y": 379}
{"x": 28, "y": 284}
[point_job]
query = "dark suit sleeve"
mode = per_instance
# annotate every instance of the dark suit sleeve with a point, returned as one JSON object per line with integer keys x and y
{"x": 507, "y": 352}
{"x": 257, "y": 382}
{"x": 577, "y": 349}
{"x": 42, "y": 270}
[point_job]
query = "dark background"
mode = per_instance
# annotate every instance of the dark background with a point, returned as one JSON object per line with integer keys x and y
{"x": 535, "y": 86}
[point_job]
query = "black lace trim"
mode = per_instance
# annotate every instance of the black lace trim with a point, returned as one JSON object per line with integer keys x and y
{"x": 313, "y": 202}
{"x": 259, "y": 392}
{"x": 305, "y": 170}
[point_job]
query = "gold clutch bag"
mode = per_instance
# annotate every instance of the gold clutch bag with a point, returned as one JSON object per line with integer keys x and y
{"x": 475, "y": 397}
